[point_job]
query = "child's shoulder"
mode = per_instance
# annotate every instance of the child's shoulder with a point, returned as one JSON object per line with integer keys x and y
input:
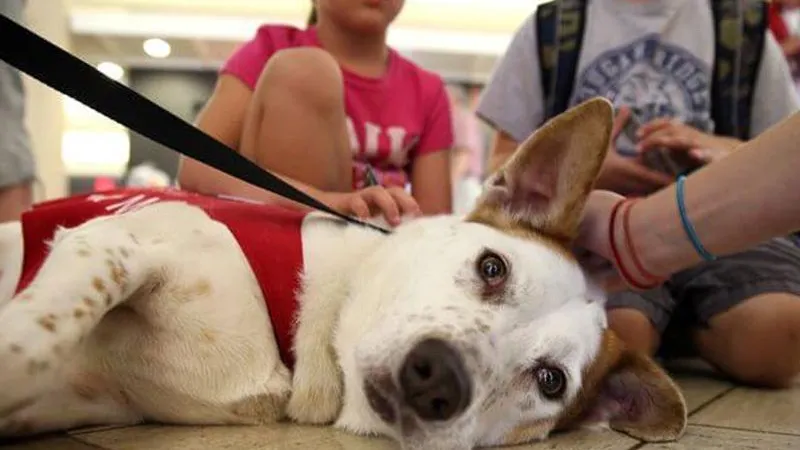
{"x": 279, "y": 36}
{"x": 407, "y": 69}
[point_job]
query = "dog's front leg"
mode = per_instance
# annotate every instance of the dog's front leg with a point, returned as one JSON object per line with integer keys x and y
{"x": 317, "y": 381}
{"x": 89, "y": 271}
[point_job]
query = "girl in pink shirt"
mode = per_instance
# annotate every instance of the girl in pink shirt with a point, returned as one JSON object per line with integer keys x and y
{"x": 332, "y": 109}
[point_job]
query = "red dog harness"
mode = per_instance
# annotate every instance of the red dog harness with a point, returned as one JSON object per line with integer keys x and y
{"x": 269, "y": 237}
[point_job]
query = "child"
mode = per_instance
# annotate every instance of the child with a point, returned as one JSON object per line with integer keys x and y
{"x": 654, "y": 59}
{"x": 322, "y": 106}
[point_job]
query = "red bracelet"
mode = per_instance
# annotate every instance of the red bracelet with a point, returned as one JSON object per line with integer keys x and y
{"x": 626, "y": 276}
{"x": 626, "y": 216}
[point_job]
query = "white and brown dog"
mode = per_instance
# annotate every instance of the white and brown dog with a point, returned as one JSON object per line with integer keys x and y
{"x": 449, "y": 333}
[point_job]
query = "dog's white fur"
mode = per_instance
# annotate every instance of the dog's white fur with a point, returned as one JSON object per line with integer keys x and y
{"x": 155, "y": 315}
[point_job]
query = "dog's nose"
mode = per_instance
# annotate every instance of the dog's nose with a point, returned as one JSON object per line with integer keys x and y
{"x": 434, "y": 382}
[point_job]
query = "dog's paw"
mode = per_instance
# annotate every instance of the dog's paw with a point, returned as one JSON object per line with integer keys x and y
{"x": 315, "y": 405}
{"x": 316, "y": 393}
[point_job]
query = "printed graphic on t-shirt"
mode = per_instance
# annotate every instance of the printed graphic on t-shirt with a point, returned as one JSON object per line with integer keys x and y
{"x": 655, "y": 79}
{"x": 385, "y": 152}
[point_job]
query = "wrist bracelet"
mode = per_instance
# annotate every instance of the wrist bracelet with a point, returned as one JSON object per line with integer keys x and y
{"x": 626, "y": 216}
{"x": 687, "y": 225}
{"x": 612, "y": 239}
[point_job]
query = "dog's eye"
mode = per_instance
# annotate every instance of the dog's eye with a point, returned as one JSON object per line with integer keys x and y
{"x": 552, "y": 382}
{"x": 492, "y": 269}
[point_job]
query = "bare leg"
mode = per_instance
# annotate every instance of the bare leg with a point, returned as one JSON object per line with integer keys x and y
{"x": 756, "y": 342}
{"x": 14, "y": 200}
{"x": 296, "y": 123}
{"x": 635, "y": 329}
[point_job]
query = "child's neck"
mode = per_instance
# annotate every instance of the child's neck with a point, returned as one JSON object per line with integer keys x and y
{"x": 364, "y": 55}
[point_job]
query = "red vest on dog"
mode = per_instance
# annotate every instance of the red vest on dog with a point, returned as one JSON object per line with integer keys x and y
{"x": 268, "y": 235}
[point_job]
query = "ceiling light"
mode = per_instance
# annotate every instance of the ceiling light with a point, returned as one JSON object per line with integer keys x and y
{"x": 157, "y": 48}
{"x": 111, "y": 70}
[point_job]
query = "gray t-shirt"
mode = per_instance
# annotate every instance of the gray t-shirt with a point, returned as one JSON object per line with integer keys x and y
{"x": 17, "y": 164}
{"x": 655, "y": 57}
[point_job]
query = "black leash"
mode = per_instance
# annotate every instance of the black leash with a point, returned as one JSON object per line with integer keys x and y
{"x": 57, "y": 68}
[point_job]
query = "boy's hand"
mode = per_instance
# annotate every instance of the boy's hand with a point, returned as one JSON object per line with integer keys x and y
{"x": 674, "y": 135}
{"x": 627, "y": 176}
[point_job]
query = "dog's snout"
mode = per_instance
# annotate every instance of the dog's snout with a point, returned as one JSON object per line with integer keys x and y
{"x": 434, "y": 381}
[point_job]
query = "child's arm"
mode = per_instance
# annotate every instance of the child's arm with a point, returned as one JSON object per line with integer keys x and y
{"x": 223, "y": 118}
{"x": 430, "y": 183}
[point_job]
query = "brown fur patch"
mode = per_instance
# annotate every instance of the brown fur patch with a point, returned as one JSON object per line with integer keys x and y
{"x": 611, "y": 349}
{"x": 124, "y": 252}
{"x": 48, "y": 323}
{"x": 209, "y": 337}
{"x": 84, "y": 252}
{"x": 201, "y": 287}
{"x": 664, "y": 415}
{"x": 78, "y": 313}
{"x": 16, "y": 349}
{"x": 117, "y": 273}
{"x": 98, "y": 284}
{"x": 89, "y": 302}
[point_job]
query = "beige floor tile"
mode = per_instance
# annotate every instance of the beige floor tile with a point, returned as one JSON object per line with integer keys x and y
{"x": 577, "y": 440}
{"x": 751, "y": 409}
{"x": 287, "y": 437}
{"x": 52, "y": 443}
{"x": 709, "y": 438}
{"x": 699, "y": 390}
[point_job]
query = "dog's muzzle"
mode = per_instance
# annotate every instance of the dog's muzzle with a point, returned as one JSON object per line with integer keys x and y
{"x": 433, "y": 384}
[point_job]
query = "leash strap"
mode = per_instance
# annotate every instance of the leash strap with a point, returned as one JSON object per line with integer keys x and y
{"x": 57, "y": 68}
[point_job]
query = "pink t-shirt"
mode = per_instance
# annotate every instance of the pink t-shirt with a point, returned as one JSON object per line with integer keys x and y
{"x": 390, "y": 120}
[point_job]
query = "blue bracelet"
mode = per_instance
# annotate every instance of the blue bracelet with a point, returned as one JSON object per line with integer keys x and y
{"x": 687, "y": 226}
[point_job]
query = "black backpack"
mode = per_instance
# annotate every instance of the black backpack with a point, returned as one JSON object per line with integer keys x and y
{"x": 740, "y": 27}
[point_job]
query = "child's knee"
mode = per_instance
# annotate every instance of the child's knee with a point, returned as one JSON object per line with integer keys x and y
{"x": 307, "y": 74}
{"x": 634, "y": 328}
{"x": 757, "y": 343}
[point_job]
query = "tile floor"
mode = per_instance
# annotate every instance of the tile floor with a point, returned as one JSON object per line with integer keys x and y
{"x": 722, "y": 416}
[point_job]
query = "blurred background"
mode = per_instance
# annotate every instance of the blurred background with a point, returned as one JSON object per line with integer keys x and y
{"x": 169, "y": 51}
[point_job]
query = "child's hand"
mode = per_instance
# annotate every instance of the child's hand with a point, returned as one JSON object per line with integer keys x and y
{"x": 392, "y": 202}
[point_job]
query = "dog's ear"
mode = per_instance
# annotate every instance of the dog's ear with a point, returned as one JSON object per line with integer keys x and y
{"x": 638, "y": 398}
{"x": 543, "y": 186}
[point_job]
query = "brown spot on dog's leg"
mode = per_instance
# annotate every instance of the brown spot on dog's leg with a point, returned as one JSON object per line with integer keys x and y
{"x": 89, "y": 302}
{"x": 98, "y": 284}
{"x": 78, "y": 313}
{"x": 124, "y": 252}
{"x": 117, "y": 273}
{"x": 47, "y": 323}
{"x": 16, "y": 349}
{"x": 84, "y": 252}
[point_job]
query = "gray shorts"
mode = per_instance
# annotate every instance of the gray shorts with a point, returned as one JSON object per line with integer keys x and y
{"x": 692, "y": 297}
{"x": 17, "y": 164}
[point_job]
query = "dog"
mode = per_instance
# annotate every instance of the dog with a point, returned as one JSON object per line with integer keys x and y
{"x": 448, "y": 333}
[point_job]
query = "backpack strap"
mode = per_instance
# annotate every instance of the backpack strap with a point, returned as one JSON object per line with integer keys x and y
{"x": 740, "y": 28}
{"x": 559, "y": 27}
